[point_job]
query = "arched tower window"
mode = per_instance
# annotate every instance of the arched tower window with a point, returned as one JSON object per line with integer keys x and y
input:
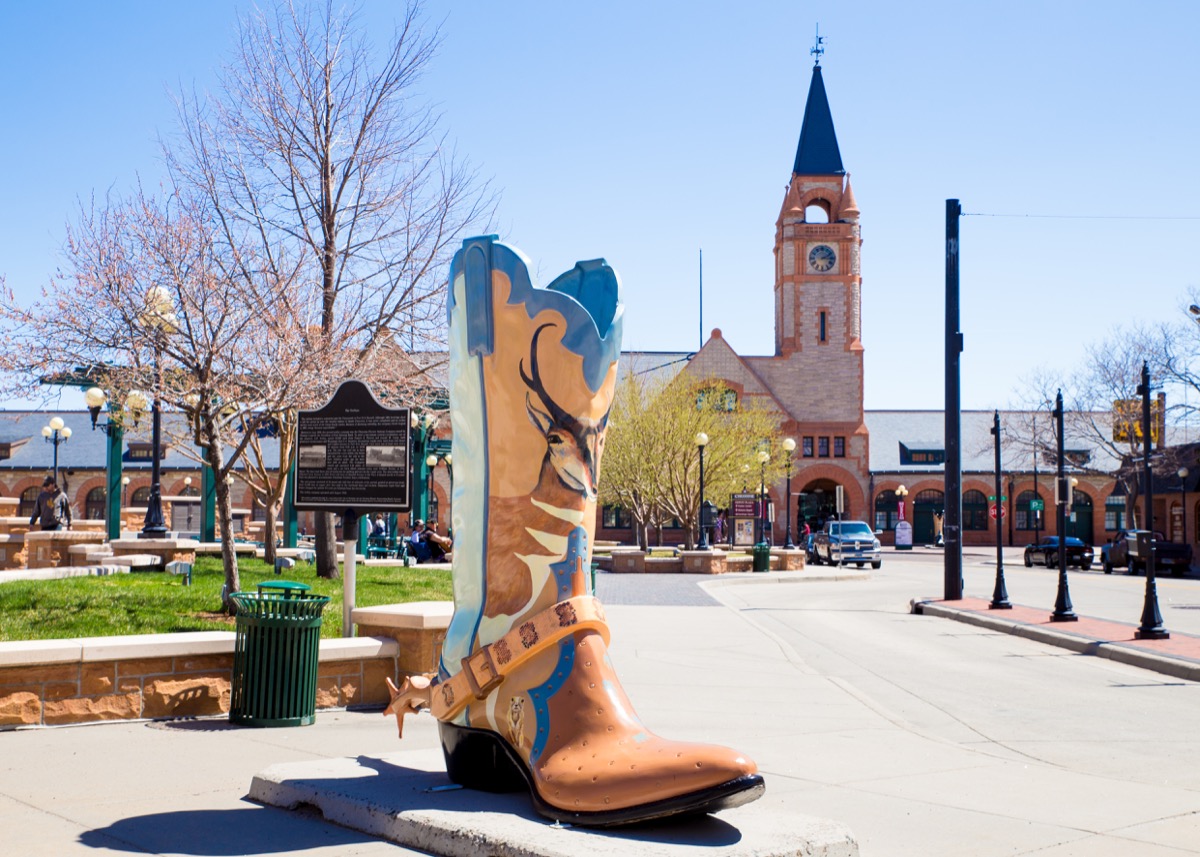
{"x": 816, "y": 211}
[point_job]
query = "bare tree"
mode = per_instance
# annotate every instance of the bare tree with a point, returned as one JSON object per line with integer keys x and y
{"x": 149, "y": 302}
{"x": 316, "y": 144}
{"x": 1102, "y": 413}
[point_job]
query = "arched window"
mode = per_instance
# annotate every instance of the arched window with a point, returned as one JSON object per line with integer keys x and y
{"x": 887, "y": 510}
{"x": 96, "y": 503}
{"x": 974, "y": 510}
{"x": 28, "y": 502}
{"x": 1026, "y": 519}
{"x": 141, "y": 496}
{"x": 817, "y": 212}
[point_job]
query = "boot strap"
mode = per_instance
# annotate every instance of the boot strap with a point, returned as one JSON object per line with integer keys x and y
{"x": 486, "y": 668}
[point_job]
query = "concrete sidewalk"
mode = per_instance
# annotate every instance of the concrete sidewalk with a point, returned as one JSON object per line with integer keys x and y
{"x": 718, "y": 674}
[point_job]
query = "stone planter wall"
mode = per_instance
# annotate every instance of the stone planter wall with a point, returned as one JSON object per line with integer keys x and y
{"x": 55, "y": 682}
{"x": 51, "y": 548}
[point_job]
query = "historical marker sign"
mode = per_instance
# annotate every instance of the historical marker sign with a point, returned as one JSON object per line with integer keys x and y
{"x": 353, "y": 454}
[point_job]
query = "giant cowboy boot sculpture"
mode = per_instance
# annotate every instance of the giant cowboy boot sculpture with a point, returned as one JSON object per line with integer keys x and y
{"x": 526, "y": 696}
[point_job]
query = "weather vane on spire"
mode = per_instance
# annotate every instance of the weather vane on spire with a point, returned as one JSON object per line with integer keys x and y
{"x": 817, "y": 50}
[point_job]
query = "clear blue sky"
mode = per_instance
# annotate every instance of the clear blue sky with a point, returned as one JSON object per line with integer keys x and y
{"x": 642, "y": 132}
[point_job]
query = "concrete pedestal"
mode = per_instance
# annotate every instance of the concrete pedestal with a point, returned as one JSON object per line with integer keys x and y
{"x": 704, "y": 562}
{"x": 404, "y": 797}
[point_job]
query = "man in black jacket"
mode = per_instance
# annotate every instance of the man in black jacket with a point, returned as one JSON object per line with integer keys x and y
{"x": 53, "y": 507}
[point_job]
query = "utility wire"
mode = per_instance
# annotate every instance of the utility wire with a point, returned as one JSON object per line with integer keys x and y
{"x": 1081, "y": 216}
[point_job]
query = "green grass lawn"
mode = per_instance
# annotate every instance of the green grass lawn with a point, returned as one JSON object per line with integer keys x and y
{"x": 157, "y": 603}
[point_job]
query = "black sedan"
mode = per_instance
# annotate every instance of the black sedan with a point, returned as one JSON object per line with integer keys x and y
{"x": 1045, "y": 553}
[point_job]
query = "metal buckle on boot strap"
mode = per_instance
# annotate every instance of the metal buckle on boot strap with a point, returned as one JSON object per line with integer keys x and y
{"x": 480, "y": 665}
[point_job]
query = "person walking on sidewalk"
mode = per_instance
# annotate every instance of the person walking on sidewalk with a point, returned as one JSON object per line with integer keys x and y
{"x": 53, "y": 507}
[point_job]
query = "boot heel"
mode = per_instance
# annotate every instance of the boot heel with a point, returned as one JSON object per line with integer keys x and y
{"x": 479, "y": 759}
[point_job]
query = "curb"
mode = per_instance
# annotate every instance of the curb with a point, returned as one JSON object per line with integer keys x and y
{"x": 1078, "y": 643}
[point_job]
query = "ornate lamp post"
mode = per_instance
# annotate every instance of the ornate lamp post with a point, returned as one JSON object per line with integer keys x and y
{"x": 1000, "y": 592}
{"x": 763, "y": 458}
{"x": 1183, "y": 474}
{"x": 701, "y": 442}
{"x": 1152, "y": 623}
{"x": 431, "y": 462}
{"x": 901, "y": 493}
{"x": 56, "y": 433}
{"x": 789, "y": 446}
{"x": 159, "y": 318}
{"x": 1063, "y": 609}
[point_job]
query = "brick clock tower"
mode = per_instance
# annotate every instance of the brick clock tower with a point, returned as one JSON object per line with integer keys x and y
{"x": 818, "y": 309}
{"x": 814, "y": 378}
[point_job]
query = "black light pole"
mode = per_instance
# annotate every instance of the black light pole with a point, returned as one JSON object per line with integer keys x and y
{"x": 763, "y": 458}
{"x": 1063, "y": 611}
{"x": 789, "y": 446}
{"x": 160, "y": 319}
{"x": 1183, "y": 475}
{"x": 154, "y": 526}
{"x": 1152, "y": 623}
{"x": 56, "y": 433}
{"x": 701, "y": 442}
{"x": 1037, "y": 513}
{"x": 952, "y": 515}
{"x": 1000, "y": 593}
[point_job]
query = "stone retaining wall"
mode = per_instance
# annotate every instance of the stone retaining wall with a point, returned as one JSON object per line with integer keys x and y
{"x": 55, "y": 682}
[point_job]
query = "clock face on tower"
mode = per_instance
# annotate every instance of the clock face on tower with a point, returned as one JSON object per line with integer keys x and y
{"x": 822, "y": 258}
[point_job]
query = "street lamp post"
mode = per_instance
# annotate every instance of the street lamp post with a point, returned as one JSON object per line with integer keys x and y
{"x": 430, "y": 463}
{"x": 159, "y": 317}
{"x": 763, "y": 458}
{"x": 56, "y": 433}
{"x": 1152, "y": 623}
{"x": 1063, "y": 610}
{"x": 1183, "y": 474}
{"x": 1000, "y": 592}
{"x": 901, "y": 493}
{"x": 789, "y": 446}
{"x": 702, "y": 543}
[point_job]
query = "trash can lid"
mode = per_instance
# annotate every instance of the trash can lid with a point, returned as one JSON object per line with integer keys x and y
{"x": 289, "y": 588}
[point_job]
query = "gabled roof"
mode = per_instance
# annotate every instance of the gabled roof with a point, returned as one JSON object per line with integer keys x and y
{"x": 817, "y": 154}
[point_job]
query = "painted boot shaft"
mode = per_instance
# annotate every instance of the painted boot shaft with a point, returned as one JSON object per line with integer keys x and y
{"x": 526, "y": 692}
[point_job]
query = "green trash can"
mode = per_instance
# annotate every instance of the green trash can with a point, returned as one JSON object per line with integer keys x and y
{"x": 275, "y": 655}
{"x": 762, "y": 557}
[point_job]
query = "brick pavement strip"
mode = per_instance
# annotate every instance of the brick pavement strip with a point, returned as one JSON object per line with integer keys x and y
{"x": 1177, "y": 656}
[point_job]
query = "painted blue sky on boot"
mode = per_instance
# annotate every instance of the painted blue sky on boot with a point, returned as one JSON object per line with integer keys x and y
{"x": 630, "y": 131}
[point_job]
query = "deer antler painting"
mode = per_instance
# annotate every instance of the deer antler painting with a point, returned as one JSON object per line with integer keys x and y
{"x": 525, "y": 684}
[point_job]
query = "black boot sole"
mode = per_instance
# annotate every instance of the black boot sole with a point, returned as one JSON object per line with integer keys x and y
{"x": 481, "y": 759}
